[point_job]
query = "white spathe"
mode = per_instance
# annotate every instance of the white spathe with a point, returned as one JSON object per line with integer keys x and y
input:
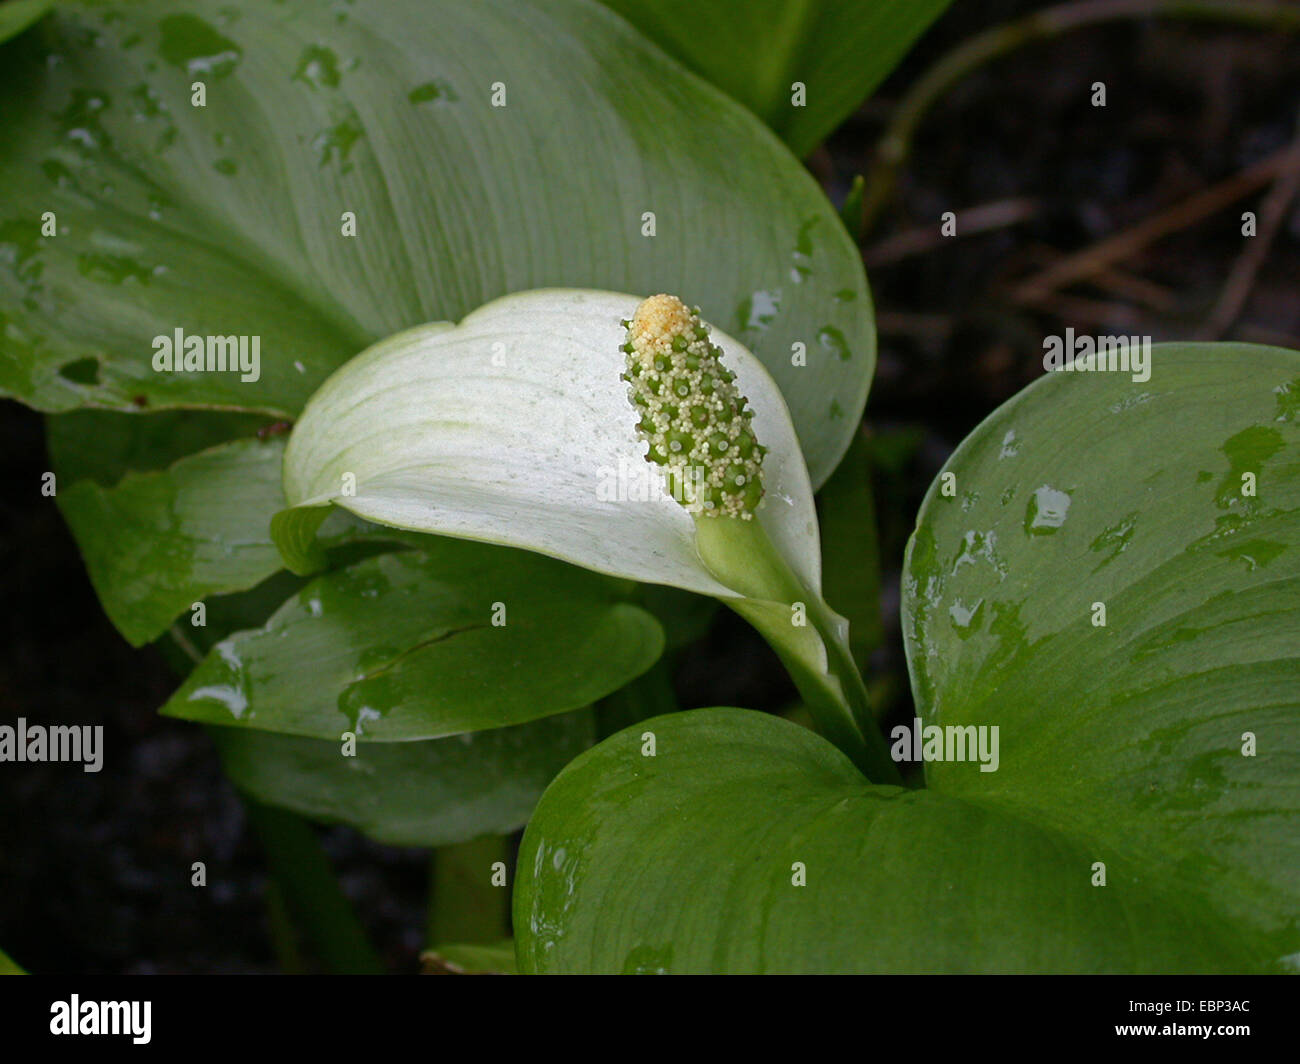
{"x": 504, "y": 427}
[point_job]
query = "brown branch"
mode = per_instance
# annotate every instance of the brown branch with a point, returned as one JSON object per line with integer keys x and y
{"x": 1124, "y": 245}
{"x": 1241, "y": 279}
{"x": 982, "y": 219}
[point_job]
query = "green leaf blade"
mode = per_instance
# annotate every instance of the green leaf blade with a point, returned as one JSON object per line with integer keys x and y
{"x": 388, "y": 113}
{"x": 425, "y": 644}
{"x": 158, "y": 542}
{"x": 758, "y": 50}
{"x": 895, "y": 880}
{"x": 432, "y": 793}
{"x": 1091, "y": 488}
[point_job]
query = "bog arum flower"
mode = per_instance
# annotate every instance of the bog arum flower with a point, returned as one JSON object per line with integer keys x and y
{"x": 503, "y": 428}
{"x": 506, "y": 427}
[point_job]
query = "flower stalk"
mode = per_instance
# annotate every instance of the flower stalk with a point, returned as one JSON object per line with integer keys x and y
{"x": 808, "y": 636}
{"x": 697, "y": 427}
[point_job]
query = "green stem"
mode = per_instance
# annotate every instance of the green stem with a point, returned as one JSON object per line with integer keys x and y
{"x": 284, "y": 939}
{"x": 186, "y": 647}
{"x": 895, "y": 145}
{"x": 311, "y": 892}
{"x": 464, "y": 906}
{"x": 850, "y": 539}
{"x": 816, "y": 653}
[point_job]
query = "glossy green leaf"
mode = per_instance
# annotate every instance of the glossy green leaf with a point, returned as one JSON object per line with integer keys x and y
{"x": 428, "y": 793}
{"x": 757, "y": 50}
{"x": 1092, "y": 488}
{"x": 1163, "y": 744}
{"x": 185, "y": 644}
{"x": 159, "y": 542}
{"x": 17, "y": 15}
{"x": 103, "y": 447}
{"x": 155, "y": 543}
{"x": 686, "y": 862}
{"x": 515, "y": 427}
{"x": 227, "y": 220}
{"x": 419, "y": 645}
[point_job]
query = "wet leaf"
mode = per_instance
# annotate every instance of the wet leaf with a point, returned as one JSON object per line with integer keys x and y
{"x": 424, "y": 644}
{"x": 1162, "y": 744}
{"x": 1092, "y": 489}
{"x": 758, "y": 50}
{"x": 431, "y": 793}
{"x": 687, "y": 862}
{"x": 158, "y": 542}
{"x": 227, "y": 220}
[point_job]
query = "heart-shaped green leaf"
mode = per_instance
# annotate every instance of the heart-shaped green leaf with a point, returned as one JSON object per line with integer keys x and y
{"x": 749, "y": 844}
{"x": 1174, "y": 507}
{"x": 800, "y": 66}
{"x": 515, "y": 427}
{"x": 478, "y": 148}
{"x": 1141, "y": 813}
{"x": 431, "y": 793}
{"x": 424, "y": 644}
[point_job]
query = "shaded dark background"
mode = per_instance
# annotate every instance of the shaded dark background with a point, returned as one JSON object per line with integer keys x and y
{"x": 95, "y": 868}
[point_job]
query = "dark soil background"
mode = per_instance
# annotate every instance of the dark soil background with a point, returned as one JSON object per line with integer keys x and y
{"x": 95, "y": 868}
